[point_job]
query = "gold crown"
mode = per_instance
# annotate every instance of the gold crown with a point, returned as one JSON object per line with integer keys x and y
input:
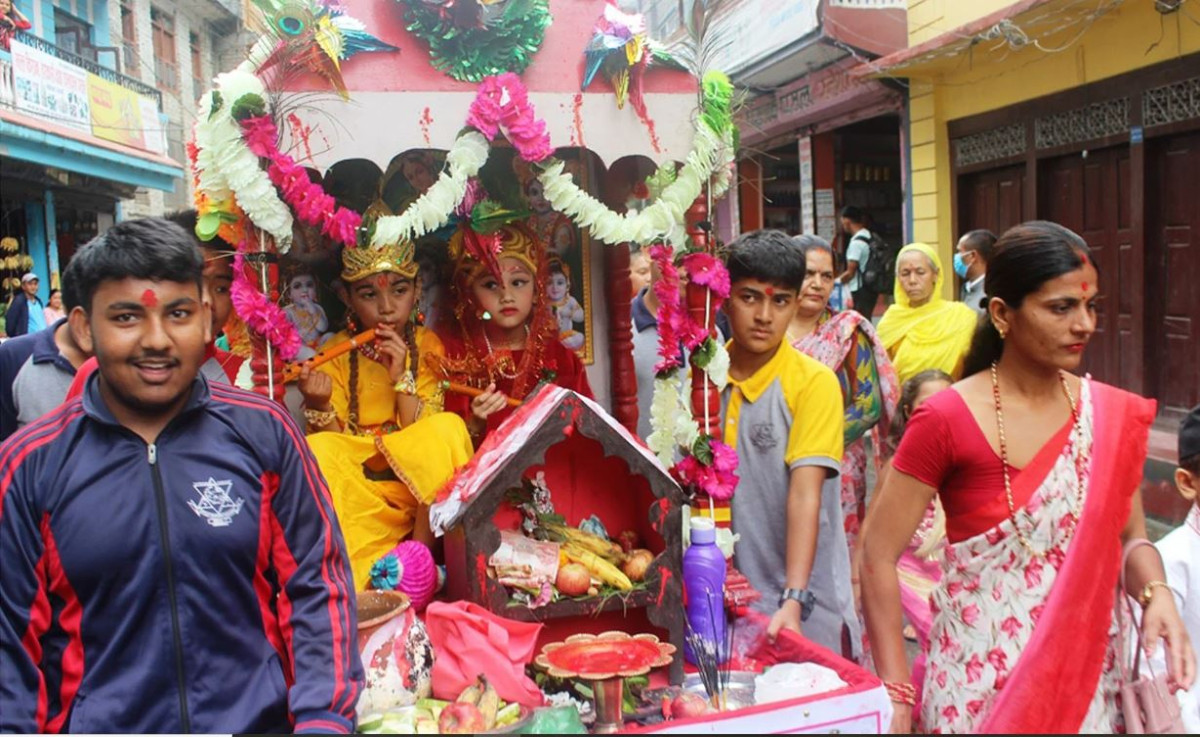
{"x": 360, "y": 262}
{"x": 516, "y": 241}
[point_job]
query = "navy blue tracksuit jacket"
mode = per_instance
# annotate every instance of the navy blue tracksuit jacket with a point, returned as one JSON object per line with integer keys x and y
{"x": 197, "y": 584}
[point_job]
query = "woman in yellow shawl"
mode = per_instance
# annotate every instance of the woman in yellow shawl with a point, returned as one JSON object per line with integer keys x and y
{"x": 921, "y": 330}
{"x": 375, "y": 414}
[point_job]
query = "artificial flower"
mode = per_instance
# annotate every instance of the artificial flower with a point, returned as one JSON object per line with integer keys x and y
{"x": 261, "y": 314}
{"x": 385, "y": 573}
{"x": 708, "y": 271}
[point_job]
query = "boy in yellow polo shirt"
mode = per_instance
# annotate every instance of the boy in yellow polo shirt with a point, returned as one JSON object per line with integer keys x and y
{"x": 782, "y": 412}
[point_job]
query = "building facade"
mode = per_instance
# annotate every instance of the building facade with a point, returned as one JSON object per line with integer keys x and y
{"x": 1086, "y": 114}
{"x": 97, "y": 98}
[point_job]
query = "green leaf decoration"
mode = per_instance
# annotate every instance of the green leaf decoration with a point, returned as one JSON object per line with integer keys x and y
{"x": 704, "y": 355}
{"x": 248, "y": 106}
{"x": 217, "y": 103}
{"x": 488, "y": 216}
{"x": 716, "y": 109}
{"x": 470, "y": 39}
{"x": 207, "y": 225}
{"x": 702, "y": 450}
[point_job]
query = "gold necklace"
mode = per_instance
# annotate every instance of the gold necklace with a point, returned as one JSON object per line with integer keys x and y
{"x": 513, "y": 371}
{"x": 1076, "y": 440}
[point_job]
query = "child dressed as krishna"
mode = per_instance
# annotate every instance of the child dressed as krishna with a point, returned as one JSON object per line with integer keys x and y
{"x": 374, "y": 415}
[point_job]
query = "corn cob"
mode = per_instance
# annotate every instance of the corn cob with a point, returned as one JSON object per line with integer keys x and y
{"x": 598, "y": 566}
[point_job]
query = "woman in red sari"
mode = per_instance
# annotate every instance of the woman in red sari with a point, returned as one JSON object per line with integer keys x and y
{"x": 504, "y": 339}
{"x": 1038, "y": 471}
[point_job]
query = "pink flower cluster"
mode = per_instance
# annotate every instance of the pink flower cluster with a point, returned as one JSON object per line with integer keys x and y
{"x": 262, "y": 315}
{"x": 308, "y": 200}
{"x": 673, "y": 322}
{"x": 707, "y": 270}
{"x": 491, "y": 111}
{"x": 718, "y": 479}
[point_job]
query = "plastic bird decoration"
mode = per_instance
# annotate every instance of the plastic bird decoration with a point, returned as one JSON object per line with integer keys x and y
{"x": 316, "y": 36}
{"x": 621, "y": 50}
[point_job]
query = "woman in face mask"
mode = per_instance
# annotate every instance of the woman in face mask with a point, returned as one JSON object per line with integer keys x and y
{"x": 970, "y": 265}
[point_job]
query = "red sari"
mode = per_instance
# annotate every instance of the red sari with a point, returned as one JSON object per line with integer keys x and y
{"x": 1021, "y": 643}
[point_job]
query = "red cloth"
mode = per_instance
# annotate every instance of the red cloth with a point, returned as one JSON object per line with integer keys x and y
{"x": 1051, "y": 687}
{"x": 230, "y": 364}
{"x": 565, "y": 363}
{"x": 944, "y": 447}
{"x": 468, "y": 640}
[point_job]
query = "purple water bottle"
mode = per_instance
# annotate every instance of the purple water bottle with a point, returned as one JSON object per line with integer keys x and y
{"x": 704, "y": 589}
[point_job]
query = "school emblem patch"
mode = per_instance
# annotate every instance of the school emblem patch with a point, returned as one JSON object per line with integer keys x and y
{"x": 215, "y": 506}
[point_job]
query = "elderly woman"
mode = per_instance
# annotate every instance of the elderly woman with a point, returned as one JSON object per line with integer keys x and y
{"x": 922, "y": 330}
{"x": 845, "y": 341}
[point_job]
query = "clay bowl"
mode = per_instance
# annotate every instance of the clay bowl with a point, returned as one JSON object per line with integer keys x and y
{"x": 375, "y": 608}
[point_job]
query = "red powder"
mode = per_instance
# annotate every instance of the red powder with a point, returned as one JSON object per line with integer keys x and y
{"x": 302, "y": 133}
{"x": 577, "y": 112}
{"x": 150, "y": 298}
{"x": 426, "y": 121}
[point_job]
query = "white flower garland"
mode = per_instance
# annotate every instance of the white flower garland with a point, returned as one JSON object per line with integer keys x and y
{"x": 227, "y": 166}
{"x": 662, "y": 221}
{"x": 432, "y": 210}
{"x": 671, "y": 418}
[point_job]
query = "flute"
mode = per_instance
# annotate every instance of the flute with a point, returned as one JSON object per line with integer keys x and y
{"x": 291, "y": 372}
{"x": 470, "y": 391}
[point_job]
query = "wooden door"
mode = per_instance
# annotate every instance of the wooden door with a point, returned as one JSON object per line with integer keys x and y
{"x": 992, "y": 199}
{"x": 1090, "y": 195}
{"x": 1173, "y": 274}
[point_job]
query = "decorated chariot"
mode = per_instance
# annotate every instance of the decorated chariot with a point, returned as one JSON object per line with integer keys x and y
{"x": 444, "y": 132}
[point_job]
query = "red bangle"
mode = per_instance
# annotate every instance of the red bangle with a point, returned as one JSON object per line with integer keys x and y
{"x": 901, "y": 693}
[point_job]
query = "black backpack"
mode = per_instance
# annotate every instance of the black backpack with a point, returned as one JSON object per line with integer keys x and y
{"x": 880, "y": 274}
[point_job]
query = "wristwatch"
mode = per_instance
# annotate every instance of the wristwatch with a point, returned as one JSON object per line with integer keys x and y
{"x": 806, "y": 598}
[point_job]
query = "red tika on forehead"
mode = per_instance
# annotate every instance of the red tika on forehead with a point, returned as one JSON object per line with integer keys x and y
{"x": 382, "y": 281}
{"x": 1085, "y": 285}
{"x": 770, "y": 291}
{"x": 150, "y": 298}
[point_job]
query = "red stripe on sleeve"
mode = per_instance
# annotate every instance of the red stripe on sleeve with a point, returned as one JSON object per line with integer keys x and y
{"x": 71, "y": 622}
{"x": 262, "y": 587}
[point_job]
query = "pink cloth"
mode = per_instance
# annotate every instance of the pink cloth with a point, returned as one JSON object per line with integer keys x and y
{"x": 468, "y": 640}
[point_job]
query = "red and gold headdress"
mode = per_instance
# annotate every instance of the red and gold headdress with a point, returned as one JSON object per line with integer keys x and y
{"x": 479, "y": 365}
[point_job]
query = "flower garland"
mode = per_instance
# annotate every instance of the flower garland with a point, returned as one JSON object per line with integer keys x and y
{"x": 307, "y": 198}
{"x": 261, "y": 314}
{"x": 227, "y": 169}
{"x": 503, "y": 102}
{"x": 708, "y": 464}
{"x": 502, "y": 38}
{"x": 713, "y": 149}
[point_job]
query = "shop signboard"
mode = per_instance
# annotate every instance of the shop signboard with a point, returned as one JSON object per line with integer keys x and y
{"x": 116, "y": 112}
{"x": 50, "y": 88}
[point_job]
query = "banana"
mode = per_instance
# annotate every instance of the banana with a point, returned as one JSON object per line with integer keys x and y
{"x": 471, "y": 694}
{"x": 606, "y": 549}
{"x": 489, "y": 703}
{"x": 601, "y": 568}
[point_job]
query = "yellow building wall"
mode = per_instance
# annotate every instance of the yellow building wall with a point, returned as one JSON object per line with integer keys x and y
{"x": 931, "y": 18}
{"x": 1130, "y": 37}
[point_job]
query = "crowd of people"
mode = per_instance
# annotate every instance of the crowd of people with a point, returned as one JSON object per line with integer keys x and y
{"x": 168, "y": 535}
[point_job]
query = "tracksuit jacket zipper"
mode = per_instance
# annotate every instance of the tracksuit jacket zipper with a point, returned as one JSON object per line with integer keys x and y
{"x": 161, "y": 504}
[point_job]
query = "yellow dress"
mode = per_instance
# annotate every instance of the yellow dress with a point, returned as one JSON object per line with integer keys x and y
{"x": 936, "y": 335}
{"x": 377, "y": 514}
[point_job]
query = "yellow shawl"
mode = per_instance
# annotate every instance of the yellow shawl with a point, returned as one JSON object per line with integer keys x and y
{"x": 935, "y": 335}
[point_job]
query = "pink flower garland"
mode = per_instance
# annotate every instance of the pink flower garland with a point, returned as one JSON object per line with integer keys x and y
{"x": 261, "y": 314}
{"x": 308, "y": 200}
{"x": 489, "y": 113}
{"x": 717, "y": 478}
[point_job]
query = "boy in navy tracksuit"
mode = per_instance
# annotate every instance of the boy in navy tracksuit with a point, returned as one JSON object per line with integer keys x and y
{"x": 171, "y": 559}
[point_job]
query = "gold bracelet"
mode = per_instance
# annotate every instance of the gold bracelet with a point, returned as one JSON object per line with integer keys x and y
{"x": 1148, "y": 592}
{"x": 406, "y": 384}
{"x": 318, "y": 418}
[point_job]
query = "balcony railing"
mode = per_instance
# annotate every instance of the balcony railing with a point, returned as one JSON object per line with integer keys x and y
{"x": 103, "y": 72}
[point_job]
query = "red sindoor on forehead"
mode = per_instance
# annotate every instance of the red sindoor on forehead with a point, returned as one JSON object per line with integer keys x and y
{"x": 770, "y": 291}
{"x": 1085, "y": 287}
{"x": 382, "y": 281}
{"x": 150, "y": 298}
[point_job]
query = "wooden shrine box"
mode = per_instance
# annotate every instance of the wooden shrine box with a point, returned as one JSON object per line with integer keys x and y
{"x": 592, "y": 465}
